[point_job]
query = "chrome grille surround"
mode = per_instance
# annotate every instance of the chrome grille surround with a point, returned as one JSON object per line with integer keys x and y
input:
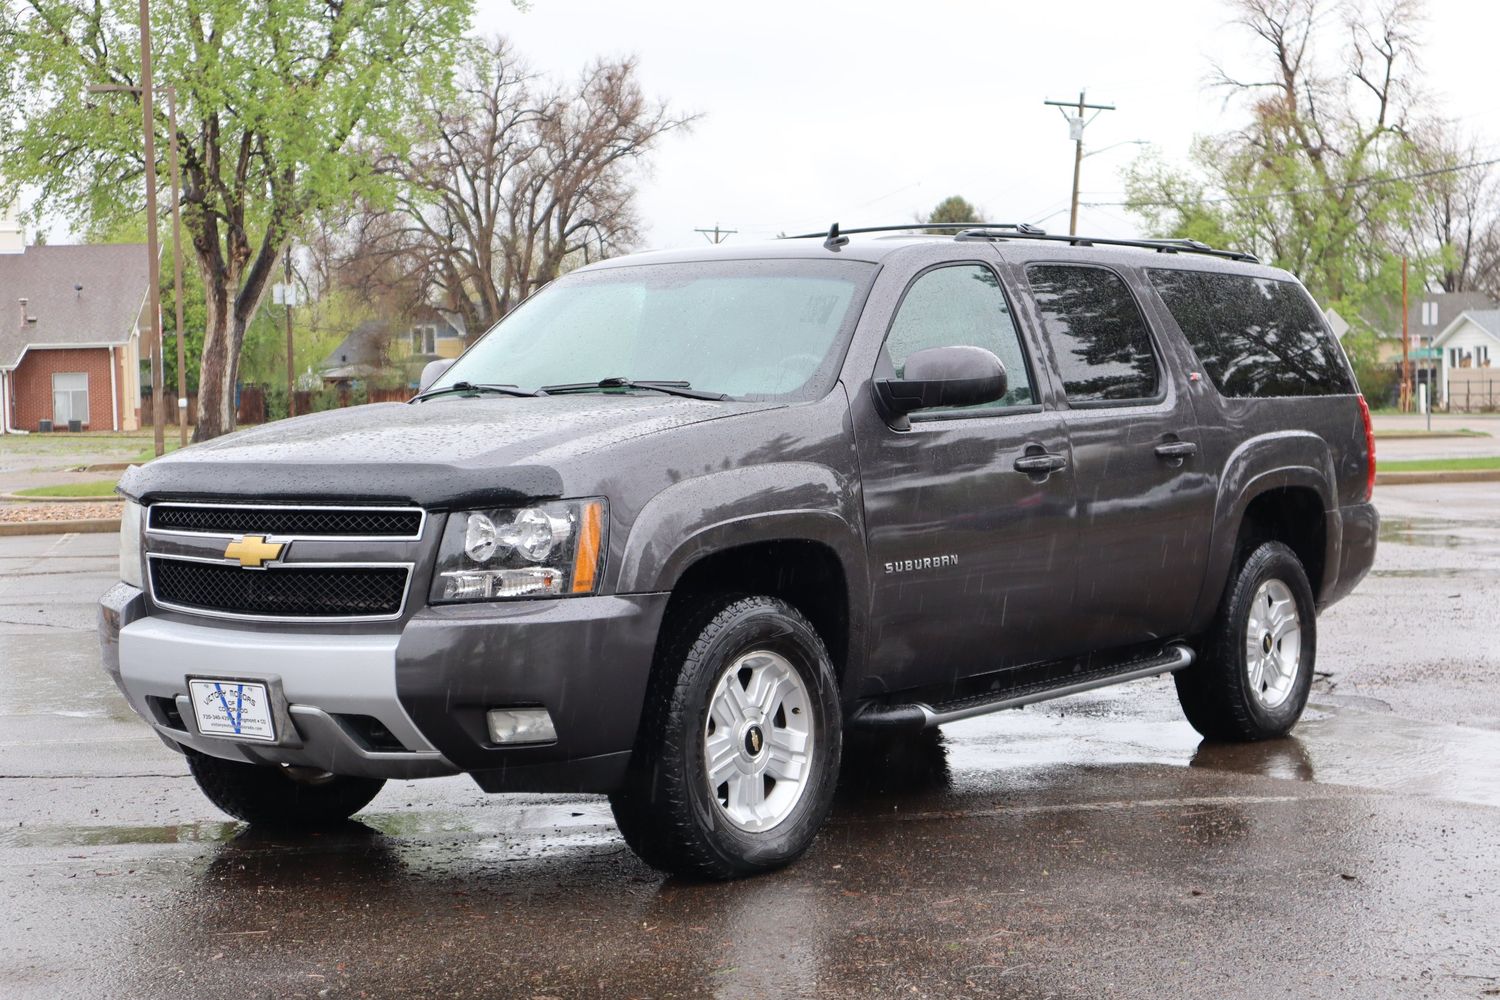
{"x": 281, "y": 574}
{"x": 345, "y": 522}
{"x": 319, "y": 577}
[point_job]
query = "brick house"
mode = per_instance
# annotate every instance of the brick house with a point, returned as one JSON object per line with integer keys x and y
{"x": 70, "y": 323}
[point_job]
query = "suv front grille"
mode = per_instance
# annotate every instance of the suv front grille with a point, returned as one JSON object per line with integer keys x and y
{"x": 319, "y": 592}
{"x": 297, "y": 522}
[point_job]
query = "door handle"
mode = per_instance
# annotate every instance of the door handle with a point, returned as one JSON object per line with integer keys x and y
{"x": 1176, "y": 451}
{"x": 1041, "y": 463}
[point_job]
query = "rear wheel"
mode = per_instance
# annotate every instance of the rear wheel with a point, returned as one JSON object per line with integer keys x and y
{"x": 739, "y": 751}
{"x": 1256, "y": 668}
{"x": 274, "y": 795}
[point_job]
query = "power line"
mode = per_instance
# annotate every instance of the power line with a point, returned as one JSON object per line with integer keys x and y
{"x": 1329, "y": 189}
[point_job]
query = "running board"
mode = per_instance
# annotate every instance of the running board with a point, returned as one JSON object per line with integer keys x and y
{"x": 922, "y": 715}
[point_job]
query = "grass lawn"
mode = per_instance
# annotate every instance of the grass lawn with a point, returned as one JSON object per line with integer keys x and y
{"x": 1461, "y": 432}
{"x": 1481, "y": 463}
{"x": 97, "y": 488}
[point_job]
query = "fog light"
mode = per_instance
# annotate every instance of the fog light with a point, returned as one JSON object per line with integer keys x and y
{"x": 521, "y": 725}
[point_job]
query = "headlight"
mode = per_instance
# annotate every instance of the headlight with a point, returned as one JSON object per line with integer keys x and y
{"x": 546, "y": 550}
{"x": 130, "y": 544}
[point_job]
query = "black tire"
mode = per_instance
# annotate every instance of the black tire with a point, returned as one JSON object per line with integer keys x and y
{"x": 1216, "y": 692}
{"x": 273, "y": 796}
{"x": 667, "y": 812}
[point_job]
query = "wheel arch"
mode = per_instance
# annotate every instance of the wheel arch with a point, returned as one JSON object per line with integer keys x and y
{"x": 1275, "y": 487}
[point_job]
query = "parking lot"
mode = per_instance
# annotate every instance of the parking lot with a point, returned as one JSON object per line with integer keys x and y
{"x": 1091, "y": 847}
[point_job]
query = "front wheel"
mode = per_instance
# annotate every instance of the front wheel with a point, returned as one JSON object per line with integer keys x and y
{"x": 276, "y": 796}
{"x": 1257, "y": 661}
{"x": 739, "y": 751}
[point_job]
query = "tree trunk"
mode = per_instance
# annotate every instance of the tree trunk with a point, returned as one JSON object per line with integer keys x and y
{"x": 216, "y": 374}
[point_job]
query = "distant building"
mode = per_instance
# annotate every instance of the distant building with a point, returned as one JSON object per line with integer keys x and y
{"x": 70, "y": 325}
{"x": 1470, "y": 343}
{"x": 1430, "y": 314}
{"x": 397, "y": 350}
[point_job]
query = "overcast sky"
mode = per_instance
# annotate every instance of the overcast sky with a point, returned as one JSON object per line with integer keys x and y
{"x": 867, "y": 113}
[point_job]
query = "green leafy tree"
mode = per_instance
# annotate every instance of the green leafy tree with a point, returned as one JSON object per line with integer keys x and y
{"x": 953, "y": 209}
{"x": 278, "y": 103}
{"x": 1316, "y": 180}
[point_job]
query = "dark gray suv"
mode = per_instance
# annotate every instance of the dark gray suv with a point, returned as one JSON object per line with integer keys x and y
{"x": 681, "y": 520}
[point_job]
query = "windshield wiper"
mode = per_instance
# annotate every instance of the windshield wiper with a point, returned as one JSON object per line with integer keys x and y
{"x": 475, "y": 388}
{"x": 671, "y": 388}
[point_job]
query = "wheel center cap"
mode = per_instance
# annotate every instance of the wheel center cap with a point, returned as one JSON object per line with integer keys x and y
{"x": 755, "y": 741}
{"x": 1265, "y": 642}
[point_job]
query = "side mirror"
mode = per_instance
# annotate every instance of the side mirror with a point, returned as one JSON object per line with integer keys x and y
{"x": 432, "y": 371}
{"x": 943, "y": 376}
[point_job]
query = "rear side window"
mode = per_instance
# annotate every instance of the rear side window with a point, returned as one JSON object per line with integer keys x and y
{"x": 1255, "y": 336}
{"x": 961, "y": 305}
{"x": 1098, "y": 334}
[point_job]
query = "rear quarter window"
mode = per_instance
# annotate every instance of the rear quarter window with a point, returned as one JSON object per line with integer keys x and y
{"x": 1256, "y": 337}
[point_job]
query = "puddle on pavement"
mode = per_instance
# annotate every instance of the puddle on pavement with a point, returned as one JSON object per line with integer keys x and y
{"x": 1330, "y": 746}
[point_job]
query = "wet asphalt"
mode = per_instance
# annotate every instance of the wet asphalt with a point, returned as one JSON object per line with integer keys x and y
{"x": 1091, "y": 847}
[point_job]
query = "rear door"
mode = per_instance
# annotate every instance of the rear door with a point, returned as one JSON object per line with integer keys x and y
{"x": 1145, "y": 491}
{"x": 971, "y": 559}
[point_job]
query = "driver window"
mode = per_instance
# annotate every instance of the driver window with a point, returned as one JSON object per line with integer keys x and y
{"x": 961, "y": 305}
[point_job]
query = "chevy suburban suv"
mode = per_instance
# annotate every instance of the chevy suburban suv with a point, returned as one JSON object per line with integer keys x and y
{"x": 684, "y": 518}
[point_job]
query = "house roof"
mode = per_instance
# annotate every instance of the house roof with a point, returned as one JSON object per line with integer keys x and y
{"x": 1487, "y": 320}
{"x": 364, "y": 346}
{"x": 1450, "y": 305}
{"x": 104, "y": 310}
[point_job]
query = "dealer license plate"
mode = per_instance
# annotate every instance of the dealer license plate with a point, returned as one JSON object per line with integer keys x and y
{"x": 236, "y": 709}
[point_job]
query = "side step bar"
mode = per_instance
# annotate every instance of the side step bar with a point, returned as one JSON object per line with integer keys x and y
{"x": 921, "y": 715}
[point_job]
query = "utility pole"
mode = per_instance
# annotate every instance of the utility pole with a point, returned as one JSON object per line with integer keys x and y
{"x": 1405, "y": 344}
{"x": 1076, "y": 125}
{"x": 171, "y": 93}
{"x": 152, "y": 243}
{"x": 178, "y": 290}
{"x": 291, "y": 363}
{"x": 716, "y": 235}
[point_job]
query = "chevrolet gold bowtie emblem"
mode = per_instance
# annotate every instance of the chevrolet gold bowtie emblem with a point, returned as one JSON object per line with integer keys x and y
{"x": 253, "y": 551}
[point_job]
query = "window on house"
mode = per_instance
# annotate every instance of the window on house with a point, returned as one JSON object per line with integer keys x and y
{"x": 1481, "y": 355}
{"x": 70, "y": 398}
{"x": 424, "y": 340}
{"x": 1429, "y": 314}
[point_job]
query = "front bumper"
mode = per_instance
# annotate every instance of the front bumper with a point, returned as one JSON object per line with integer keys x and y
{"x": 586, "y": 660}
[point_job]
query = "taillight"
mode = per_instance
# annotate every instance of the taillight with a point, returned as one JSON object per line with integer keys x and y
{"x": 1364, "y": 412}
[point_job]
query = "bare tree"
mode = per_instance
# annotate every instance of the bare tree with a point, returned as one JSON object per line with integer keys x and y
{"x": 510, "y": 182}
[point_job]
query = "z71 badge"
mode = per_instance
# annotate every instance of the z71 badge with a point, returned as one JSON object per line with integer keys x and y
{"x": 926, "y": 562}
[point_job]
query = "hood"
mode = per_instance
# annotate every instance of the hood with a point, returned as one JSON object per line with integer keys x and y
{"x": 447, "y": 452}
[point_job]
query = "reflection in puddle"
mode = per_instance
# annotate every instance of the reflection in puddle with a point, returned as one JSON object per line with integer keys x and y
{"x": 109, "y": 836}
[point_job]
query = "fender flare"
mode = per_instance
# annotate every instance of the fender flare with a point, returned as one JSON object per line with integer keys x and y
{"x": 1282, "y": 460}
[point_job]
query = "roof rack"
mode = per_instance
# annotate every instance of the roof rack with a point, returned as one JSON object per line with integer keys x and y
{"x": 835, "y": 238}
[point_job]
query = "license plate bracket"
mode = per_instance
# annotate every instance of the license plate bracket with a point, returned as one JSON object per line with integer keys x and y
{"x": 233, "y": 709}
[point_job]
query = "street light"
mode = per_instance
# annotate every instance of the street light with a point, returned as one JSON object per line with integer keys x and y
{"x": 1117, "y": 145}
{"x": 156, "y": 383}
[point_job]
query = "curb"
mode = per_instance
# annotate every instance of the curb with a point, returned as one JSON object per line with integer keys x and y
{"x": 22, "y": 498}
{"x": 88, "y": 526}
{"x": 1420, "y": 478}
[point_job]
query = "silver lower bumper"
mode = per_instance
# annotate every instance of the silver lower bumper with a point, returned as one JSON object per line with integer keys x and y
{"x": 314, "y": 679}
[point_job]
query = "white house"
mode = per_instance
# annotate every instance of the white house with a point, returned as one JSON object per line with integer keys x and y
{"x": 1472, "y": 340}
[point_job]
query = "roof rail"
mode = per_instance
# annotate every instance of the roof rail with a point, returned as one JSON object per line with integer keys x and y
{"x": 834, "y": 232}
{"x": 835, "y": 237}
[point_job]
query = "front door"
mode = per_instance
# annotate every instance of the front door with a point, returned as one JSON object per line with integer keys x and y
{"x": 1145, "y": 492}
{"x": 971, "y": 559}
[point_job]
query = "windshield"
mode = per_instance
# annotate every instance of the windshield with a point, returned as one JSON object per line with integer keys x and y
{"x": 758, "y": 329}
